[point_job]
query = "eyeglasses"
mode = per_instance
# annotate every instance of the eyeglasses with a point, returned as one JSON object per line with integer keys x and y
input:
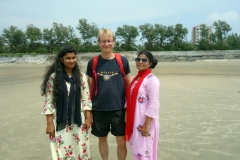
{"x": 106, "y": 42}
{"x": 144, "y": 60}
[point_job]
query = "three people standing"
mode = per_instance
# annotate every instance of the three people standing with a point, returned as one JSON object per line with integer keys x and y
{"x": 68, "y": 104}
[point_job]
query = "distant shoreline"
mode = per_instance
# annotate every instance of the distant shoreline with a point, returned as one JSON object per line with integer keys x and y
{"x": 163, "y": 56}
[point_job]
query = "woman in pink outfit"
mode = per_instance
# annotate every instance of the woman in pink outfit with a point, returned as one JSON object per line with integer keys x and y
{"x": 142, "y": 110}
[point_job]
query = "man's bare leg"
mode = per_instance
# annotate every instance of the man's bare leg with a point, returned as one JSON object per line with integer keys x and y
{"x": 103, "y": 147}
{"x": 121, "y": 147}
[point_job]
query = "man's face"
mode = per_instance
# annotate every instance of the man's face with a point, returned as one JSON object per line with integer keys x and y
{"x": 106, "y": 43}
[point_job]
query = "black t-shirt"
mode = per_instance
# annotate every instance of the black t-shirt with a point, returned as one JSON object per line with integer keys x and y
{"x": 110, "y": 84}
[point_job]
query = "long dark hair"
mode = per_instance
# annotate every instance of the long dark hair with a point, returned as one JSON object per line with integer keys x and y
{"x": 150, "y": 57}
{"x": 57, "y": 67}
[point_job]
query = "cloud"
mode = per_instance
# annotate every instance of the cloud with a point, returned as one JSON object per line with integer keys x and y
{"x": 228, "y": 16}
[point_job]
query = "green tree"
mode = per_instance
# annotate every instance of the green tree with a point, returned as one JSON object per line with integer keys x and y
{"x": 34, "y": 37}
{"x": 127, "y": 34}
{"x": 73, "y": 39}
{"x": 233, "y": 41}
{"x": 176, "y": 37}
{"x": 15, "y": 39}
{"x": 221, "y": 32}
{"x": 187, "y": 46}
{"x": 170, "y": 38}
{"x": 160, "y": 36}
{"x": 88, "y": 34}
{"x": 49, "y": 39}
{"x": 61, "y": 34}
{"x": 180, "y": 34}
{"x": 204, "y": 32}
{"x": 148, "y": 35}
{"x": 2, "y": 44}
{"x": 203, "y": 45}
{"x": 204, "y": 42}
{"x": 117, "y": 46}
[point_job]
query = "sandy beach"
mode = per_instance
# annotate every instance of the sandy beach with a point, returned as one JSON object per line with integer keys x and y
{"x": 199, "y": 114}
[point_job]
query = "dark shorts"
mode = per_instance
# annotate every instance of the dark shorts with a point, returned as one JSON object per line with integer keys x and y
{"x": 106, "y": 121}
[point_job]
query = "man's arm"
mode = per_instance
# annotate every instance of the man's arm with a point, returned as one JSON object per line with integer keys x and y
{"x": 89, "y": 114}
{"x": 89, "y": 82}
{"x": 128, "y": 79}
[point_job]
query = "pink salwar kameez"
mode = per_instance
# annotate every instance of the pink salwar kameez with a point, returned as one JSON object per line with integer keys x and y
{"x": 147, "y": 104}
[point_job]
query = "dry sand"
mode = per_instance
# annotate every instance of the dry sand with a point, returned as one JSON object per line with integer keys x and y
{"x": 199, "y": 115}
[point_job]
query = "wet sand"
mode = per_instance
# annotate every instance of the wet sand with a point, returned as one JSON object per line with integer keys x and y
{"x": 199, "y": 114}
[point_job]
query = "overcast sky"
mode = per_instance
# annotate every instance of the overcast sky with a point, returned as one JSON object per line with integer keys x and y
{"x": 116, "y": 13}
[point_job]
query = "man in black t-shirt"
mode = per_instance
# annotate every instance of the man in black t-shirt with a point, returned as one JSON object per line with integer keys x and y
{"x": 108, "y": 104}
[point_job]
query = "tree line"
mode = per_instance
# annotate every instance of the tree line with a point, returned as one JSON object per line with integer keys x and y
{"x": 153, "y": 37}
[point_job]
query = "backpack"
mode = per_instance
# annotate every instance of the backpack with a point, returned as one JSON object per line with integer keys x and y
{"x": 94, "y": 73}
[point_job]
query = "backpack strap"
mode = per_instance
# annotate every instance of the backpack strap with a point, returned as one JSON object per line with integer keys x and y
{"x": 120, "y": 63}
{"x": 94, "y": 76}
{"x": 118, "y": 58}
